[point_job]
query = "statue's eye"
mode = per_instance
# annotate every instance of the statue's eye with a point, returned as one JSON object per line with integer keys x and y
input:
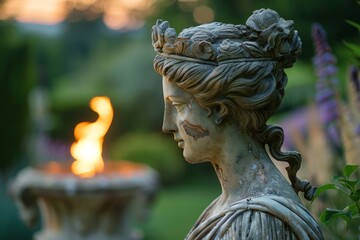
{"x": 178, "y": 105}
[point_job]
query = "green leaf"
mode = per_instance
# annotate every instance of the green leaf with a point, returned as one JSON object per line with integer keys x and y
{"x": 336, "y": 178}
{"x": 354, "y": 24}
{"x": 350, "y": 184}
{"x": 328, "y": 215}
{"x": 323, "y": 188}
{"x": 353, "y": 47}
{"x": 355, "y": 196}
{"x": 352, "y": 208}
{"x": 349, "y": 169}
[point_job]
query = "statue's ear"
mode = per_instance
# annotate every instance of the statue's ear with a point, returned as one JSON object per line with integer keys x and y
{"x": 221, "y": 112}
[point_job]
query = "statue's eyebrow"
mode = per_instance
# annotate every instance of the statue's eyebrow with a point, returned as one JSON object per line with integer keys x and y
{"x": 175, "y": 99}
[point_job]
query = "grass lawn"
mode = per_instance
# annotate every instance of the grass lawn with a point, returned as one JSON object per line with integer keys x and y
{"x": 177, "y": 207}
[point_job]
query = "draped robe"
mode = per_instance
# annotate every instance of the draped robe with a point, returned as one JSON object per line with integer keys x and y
{"x": 265, "y": 217}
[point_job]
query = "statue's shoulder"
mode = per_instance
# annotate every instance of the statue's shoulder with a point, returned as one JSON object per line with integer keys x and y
{"x": 265, "y": 217}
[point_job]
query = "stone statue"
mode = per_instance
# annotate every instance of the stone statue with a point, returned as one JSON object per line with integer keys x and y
{"x": 221, "y": 83}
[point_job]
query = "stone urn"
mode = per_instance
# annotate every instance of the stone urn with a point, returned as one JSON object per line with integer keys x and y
{"x": 105, "y": 206}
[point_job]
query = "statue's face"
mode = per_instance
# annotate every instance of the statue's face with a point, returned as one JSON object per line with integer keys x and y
{"x": 194, "y": 131}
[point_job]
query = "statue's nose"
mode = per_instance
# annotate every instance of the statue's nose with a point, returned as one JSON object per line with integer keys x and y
{"x": 169, "y": 125}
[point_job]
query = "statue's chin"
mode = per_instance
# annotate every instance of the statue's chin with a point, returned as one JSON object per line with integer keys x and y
{"x": 187, "y": 158}
{"x": 192, "y": 159}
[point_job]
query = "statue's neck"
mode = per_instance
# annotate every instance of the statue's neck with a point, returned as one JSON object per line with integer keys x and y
{"x": 238, "y": 168}
{"x": 245, "y": 170}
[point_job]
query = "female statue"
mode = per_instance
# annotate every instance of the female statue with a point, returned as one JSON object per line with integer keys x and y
{"x": 221, "y": 84}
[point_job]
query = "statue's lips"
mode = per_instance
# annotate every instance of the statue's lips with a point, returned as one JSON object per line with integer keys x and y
{"x": 180, "y": 142}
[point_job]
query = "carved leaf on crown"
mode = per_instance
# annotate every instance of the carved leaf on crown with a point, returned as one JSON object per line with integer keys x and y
{"x": 180, "y": 46}
{"x": 165, "y": 40}
{"x": 157, "y": 35}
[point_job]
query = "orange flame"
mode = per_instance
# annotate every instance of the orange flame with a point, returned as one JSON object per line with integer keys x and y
{"x": 89, "y": 139}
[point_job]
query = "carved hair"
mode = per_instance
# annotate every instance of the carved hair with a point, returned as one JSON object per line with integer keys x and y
{"x": 237, "y": 71}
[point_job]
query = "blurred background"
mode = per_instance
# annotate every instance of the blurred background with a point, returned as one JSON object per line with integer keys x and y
{"x": 55, "y": 55}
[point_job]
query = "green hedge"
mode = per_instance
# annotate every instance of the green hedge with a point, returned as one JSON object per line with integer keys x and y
{"x": 155, "y": 149}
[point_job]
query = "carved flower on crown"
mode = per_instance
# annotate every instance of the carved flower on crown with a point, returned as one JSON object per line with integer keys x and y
{"x": 160, "y": 34}
{"x": 279, "y": 38}
{"x": 262, "y": 19}
{"x": 273, "y": 33}
{"x": 203, "y": 50}
{"x": 230, "y": 49}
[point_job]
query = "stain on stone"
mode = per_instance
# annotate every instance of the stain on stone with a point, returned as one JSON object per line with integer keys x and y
{"x": 250, "y": 148}
{"x": 194, "y": 131}
{"x": 261, "y": 173}
{"x": 257, "y": 155}
{"x": 238, "y": 158}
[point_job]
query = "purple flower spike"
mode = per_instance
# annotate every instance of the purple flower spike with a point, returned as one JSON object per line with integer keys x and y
{"x": 320, "y": 39}
{"x": 325, "y": 58}
{"x": 326, "y": 88}
{"x": 324, "y": 95}
{"x": 326, "y": 71}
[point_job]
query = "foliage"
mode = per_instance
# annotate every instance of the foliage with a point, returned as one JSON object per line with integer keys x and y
{"x": 153, "y": 149}
{"x": 345, "y": 184}
{"x": 299, "y": 89}
{"x": 355, "y": 48}
{"x": 17, "y": 77}
{"x": 123, "y": 72}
